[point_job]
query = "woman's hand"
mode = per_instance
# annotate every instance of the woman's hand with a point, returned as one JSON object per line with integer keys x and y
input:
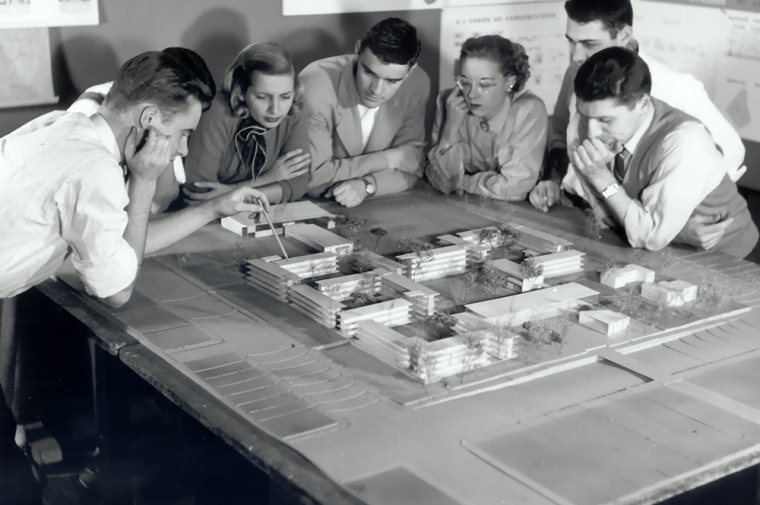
{"x": 290, "y": 165}
{"x": 215, "y": 189}
{"x": 456, "y": 113}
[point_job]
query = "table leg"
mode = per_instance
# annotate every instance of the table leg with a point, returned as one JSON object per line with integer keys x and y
{"x": 111, "y": 398}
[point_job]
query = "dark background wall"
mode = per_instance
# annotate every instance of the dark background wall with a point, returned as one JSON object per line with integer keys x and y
{"x": 87, "y": 55}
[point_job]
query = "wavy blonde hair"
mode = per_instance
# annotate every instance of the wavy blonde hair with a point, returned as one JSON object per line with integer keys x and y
{"x": 264, "y": 57}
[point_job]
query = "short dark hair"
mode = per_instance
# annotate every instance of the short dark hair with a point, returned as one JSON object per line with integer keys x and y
{"x": 614, "y": 72}
{"x": 510, "y": 56}
{"x": 393, "y": 40}
{"x": 614, "y": 14}
{"x": 193, "y": 62}
{"x": 267, "y": 58}
{"x": 157, "y": 77}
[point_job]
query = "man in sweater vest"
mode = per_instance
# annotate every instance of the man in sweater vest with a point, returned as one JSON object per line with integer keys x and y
{"x": 647, "y": 167}
{"x": 593, "y": 25}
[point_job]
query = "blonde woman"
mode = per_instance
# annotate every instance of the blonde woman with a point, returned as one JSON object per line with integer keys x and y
{"x": 254, "y": 134}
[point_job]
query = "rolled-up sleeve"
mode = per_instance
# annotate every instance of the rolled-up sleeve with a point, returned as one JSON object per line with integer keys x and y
{"x": 520, "y": 157}
{"x": 93, "y": 220}
{"x": 685, "y": 175}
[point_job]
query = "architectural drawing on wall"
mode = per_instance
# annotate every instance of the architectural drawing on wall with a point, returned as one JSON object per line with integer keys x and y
{"x": 25, "y": 60}
{"x": 688, "y": 38}
{"x": 308, "y": 7}
{"x": 738, "y": 75}
{"x": 539, "y": 27}
{"x": 43, "y": 13}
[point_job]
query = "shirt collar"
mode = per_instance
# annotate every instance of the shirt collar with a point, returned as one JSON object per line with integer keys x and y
{"x": 630, "y": 146}
{"x": 106, "y": 135}
{"x": 499, "y": 120}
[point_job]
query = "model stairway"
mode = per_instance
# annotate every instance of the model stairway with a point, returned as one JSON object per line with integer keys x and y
{"x": 561, "y": 263}
{"x": 390, "y": 313}
{"x": 435, "y": 263}
{"x": 423, "y": 299}
{"x": 270, "y": 278}
{"x": 315, "y": 305}
{"x": 340, "y": 288}
{"x": 476, "y": 253}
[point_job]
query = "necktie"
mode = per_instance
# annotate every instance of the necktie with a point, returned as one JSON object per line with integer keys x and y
{"x": 252, "y": 147}
{"x": 621, "y": 160}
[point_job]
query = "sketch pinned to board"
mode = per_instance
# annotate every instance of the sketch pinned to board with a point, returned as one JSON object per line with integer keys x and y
{"x": 25, "y": 60}
{"x": 45, "y": 13}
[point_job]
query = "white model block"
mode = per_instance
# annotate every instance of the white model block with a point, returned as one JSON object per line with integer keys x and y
{"x": 319, "y": 238}
{"x": 617, "y": 278}
{"x": 604, "y": 321}
{"x": 686, "y": 290}
{"x": 279, "y": 214}
{"x": 517, "y": 309}
{"x": 661, "y": 294}
{"x": 620, "y": 277}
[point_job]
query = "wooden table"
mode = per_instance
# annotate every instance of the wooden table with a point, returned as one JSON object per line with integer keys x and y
{"x": 632, "y": 423}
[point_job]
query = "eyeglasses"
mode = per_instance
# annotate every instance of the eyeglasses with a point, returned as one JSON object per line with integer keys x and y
{"x": 485, "y": 85}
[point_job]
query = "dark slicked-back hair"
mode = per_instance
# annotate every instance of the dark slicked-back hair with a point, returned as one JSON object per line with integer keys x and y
{"x": 157, "y": 78}
{"x": 510, "y": 56}
{"x": 193, "y": 62}
{"x": 393, "y": 40}
{"x": 614, "y": 72}
{"x": 614, "y": 14}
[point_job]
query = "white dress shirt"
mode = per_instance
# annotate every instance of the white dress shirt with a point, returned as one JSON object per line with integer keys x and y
{"x": 62, "y": 192}
{"x": 367, "y": 120}
{"x": 688, "y": 160}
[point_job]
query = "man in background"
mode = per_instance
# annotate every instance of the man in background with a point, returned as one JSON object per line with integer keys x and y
{"x": 593, "y": 25}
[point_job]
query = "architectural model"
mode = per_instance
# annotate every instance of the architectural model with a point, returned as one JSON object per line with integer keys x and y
{"x": 306, "y": 212}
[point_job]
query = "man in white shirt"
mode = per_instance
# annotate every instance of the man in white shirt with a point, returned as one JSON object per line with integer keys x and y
{"x": 63, "y": 193}
{"x": 62, "y": 188}
{"x": 593, "y": 25}
{"x": 367, "y": 116}
{"x": 646, "y": 166}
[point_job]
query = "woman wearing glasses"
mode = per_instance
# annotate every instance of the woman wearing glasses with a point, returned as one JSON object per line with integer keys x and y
{"x": 254, "y": 133}
{"x": 489, "y": 133}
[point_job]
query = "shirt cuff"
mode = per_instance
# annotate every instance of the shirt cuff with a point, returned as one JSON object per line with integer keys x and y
{"x": 104, "y": 277}
{"x": 287, "y": 191}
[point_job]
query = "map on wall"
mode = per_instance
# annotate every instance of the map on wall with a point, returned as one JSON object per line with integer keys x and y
{"x": 737, "y": 90}
{"x": 539, "y": 27}
{"x": 43, "y": 13}
{"x": 306, "y": 7}
{"x": 25, "y": 60}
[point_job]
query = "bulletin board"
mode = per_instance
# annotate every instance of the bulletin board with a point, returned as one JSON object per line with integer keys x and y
{"x": 25, "y": 60}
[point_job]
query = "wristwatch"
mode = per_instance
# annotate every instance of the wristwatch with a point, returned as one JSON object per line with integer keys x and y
{"x": 611, "y": 190}
{"x": 369, "y": 186}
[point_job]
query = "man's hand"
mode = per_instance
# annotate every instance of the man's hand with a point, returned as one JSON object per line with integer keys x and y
{"x": 215, "y": 189}
{"x": 456, "y": 113}
{"x": 406, "y": 157}
{"x": 348, "y": 193}
{"x": 243, "y": 199}
{"x": 152, "y": 158}
{"x": 290, "y": 165}
{"x": 544, "y": 195}
{"x": 590, "y": 160}
{"x": 704, "y": 232}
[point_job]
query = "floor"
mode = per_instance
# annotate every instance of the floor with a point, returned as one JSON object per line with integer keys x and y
{"x": 176, "y": 461}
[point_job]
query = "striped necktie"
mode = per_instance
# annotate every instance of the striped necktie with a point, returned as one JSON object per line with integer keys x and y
{"x": 621, "y": 162}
